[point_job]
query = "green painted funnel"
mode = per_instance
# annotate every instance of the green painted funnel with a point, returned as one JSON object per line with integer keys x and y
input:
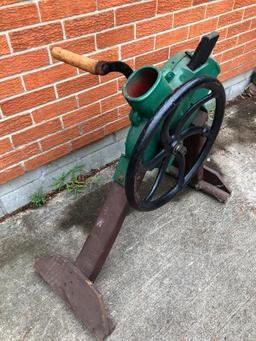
{"x": 146, "y": 89}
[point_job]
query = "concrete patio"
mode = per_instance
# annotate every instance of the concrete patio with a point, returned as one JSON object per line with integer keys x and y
{"x": 185, "y": 272}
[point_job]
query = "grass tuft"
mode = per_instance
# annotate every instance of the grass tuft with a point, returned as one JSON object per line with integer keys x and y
{"x": 39, "y": 198}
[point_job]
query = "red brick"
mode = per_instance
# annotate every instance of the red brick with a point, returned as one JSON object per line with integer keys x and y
{"x": 109, "y": 54}
{"x": 223, "y": 33}
{"x": 232, "y": 53}
{"x": 186, "y": 45}
{"x": 81, "y": 115}
{"x": 248, "y": 66}
{"x": 189, "y": 15}
{"x": 165, "y": 6}
{"x": 36, "y": 36}
{"x": 80, "y": 45}
{"x": 199, "y": 2}
{"x": 88, "y": 138}
{"x": 152, "y": 57}
{"x": 203, "y": 27}
{"x": 224, "y": 76}
{"x": 18, "y": 16}
{"x": 102, "y": 4}
{"x": 100, "y": 121}
{"x": 23, "y": 62}
{"x": 225, "y": 44}
{"x": 250, "y": 12}
{"x": 230, "y": 18}
{"x": 124, "y": 110}
{"x": 78, "y": 84}
{"x": 218, "y": 8}
{"x": 27, "y": 101}
{"x": 5, "y": 145}
{"x": 112, "y": 102}
{"x": 115, "y": 36}
{"x": 36, "y": 132}
{"x": 95, "y": 94}
{"x": 250, "y": 46}
{"x": 13, "y": 124}
{"x": 60, "y": 137}
{"x": 47, "y": 157}
{"x": 233, "y": 72}
{"x": 137, "y": 47}
{"x": 136, "y": 12}
{"x": 218, "y": 57}
{"x": 48, "y": 76}
{"x": 8, "y": 2}
{"x": 90, "y": 24}
{"x": 10, "y": 174}
{"x": 239, "y": 60}
{"x": 53, "y": 9}
{"x": 225, "y": 67}
{"x": 54, "y": 109}
{"x": 121, "y": 82}
{"x": 253, "y": 24}
{"x": 243, "y": 3}
{"x": 4, "y": 48}
{"x": 110, "y": 77}
{"x": 18, "y": 155}
{"x": 10, "y": 87}
{"x": 238, "y": 28}
{"x": 154, "y": 25}
{"x": 172, "y": 37}
{"x": 117, "y": 125}
{"x": 246, "y": 37}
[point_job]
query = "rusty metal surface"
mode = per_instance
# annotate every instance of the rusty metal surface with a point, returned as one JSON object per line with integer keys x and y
{"x": 213, "y": 184}
{"x": 206, "y": 180}
{"x": 103, "y": 234}
{"x": 78, "y": 292}
{"x": 214, "y": 178}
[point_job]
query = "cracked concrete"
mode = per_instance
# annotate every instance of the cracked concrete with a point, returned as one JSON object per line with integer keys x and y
{"x": 185, "y": 272}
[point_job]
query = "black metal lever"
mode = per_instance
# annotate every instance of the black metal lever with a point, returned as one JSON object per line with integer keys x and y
{"x": 104, "y": 67}
{"x": 203, "y": 50}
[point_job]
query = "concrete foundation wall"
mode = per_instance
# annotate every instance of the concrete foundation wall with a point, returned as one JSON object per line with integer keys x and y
{"x": 17, "y": 192}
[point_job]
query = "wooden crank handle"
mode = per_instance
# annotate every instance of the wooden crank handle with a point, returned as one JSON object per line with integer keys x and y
{"x": 74, "y": 59}
{"x": 90, "y": 65}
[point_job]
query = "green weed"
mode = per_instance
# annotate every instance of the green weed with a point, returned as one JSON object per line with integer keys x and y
{"x": 39, "y": 198}
{"x": 71, "y": 181}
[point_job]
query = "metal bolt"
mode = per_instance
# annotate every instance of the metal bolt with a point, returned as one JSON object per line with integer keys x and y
{"x": 179, "y": 148}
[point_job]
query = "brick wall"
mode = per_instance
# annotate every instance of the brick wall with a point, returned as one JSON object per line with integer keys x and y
{"x": 49, "y": 109}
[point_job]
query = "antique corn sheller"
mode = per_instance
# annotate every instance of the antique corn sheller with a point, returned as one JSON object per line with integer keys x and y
{"x": 176, "y": 114}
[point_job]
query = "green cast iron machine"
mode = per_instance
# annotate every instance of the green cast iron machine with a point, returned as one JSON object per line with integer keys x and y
{"x": 176, "y": 114}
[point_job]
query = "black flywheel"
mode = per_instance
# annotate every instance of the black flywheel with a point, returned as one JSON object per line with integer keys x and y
{"x": 172, "y": 148}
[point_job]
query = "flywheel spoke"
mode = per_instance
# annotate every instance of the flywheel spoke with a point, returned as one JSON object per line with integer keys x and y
{"x": 191, "y": 110}
{"x": 204, "y": 131}
{"x": 180, "y": 158}
{"x": 159, "y": 177}
{"x": 153, "y": 163}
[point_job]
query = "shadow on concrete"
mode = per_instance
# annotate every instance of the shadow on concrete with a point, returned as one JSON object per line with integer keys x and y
{"x": 85, "y": 210}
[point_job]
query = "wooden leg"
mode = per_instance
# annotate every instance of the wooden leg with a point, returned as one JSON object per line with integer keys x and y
{"x": 101, "y": 239}
{"x": 74, "y": 282}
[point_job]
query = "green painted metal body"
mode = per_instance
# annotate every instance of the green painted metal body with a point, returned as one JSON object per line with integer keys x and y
{"x": 173, "y": 74}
